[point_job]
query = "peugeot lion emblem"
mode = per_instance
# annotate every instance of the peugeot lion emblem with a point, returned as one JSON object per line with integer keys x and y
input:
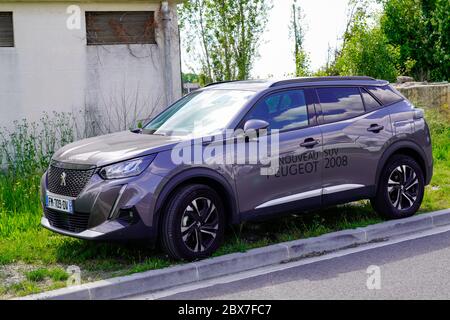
{"x": 63, "y": 179}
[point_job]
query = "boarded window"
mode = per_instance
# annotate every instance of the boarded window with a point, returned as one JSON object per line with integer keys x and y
{"x": 119, "y": 27}
{"x": 6, "y": 29}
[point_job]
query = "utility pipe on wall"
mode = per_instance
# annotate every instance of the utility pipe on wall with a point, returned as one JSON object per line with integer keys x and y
{"x": 168, "y": 74}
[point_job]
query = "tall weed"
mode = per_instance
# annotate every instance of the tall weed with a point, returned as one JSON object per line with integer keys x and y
{"x": 26, "y": 150}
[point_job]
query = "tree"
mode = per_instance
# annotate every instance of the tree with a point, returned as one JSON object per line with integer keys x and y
{"x": 224, "y": 35}
{"x": 190, "y": 78}
{"x": 420, "y": 30}
{"x": 297, "y": 29}
{"x": 365, "y": 49}
{"x": 440, "y": 22}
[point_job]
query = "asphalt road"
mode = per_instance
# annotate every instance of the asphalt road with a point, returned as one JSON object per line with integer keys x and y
{"x": 415, "y": 267}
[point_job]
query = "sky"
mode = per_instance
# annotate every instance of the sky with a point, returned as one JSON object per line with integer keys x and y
{"x": 325, "y": 22}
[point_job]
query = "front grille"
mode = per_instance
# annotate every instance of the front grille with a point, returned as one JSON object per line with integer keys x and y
{"x": 75, "y": 180}
{"x": 76, "y": 223}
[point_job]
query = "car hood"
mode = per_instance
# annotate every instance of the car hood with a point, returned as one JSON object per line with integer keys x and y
{"x": 111, "y": 148}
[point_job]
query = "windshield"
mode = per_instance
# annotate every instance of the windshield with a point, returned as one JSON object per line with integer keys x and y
{"x": 200, "y": 113}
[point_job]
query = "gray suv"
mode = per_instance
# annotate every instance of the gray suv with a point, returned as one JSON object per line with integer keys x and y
{"x": 337, "y": 139}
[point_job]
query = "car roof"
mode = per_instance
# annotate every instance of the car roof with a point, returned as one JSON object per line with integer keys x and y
{"x": 258, "y": 85}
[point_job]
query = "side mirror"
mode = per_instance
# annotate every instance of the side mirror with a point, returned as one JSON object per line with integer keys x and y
{"x": 255, "y": 125}
{"x": 137, "y": 130}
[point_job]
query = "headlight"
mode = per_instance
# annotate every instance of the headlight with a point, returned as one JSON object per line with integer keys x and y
{"x": 126, "y": 169}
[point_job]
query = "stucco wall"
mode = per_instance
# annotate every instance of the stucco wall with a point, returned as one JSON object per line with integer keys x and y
{"x": 51, "y": 67}
{"x": 426, "y": 95}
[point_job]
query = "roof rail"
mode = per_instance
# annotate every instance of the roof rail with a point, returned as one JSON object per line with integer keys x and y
{"x": 319, "y": 79}
{"x": 220, "y": 82}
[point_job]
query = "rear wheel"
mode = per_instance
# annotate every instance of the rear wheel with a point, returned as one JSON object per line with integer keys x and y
{"x": 400, "y": 189}
{"x": 193, "y": 224}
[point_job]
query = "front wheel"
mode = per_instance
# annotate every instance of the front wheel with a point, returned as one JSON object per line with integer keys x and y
{"x": 193, "y": 224}
{"x": 400, "y": 189}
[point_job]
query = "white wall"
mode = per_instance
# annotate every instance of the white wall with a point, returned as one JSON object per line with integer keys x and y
{"x": 52, "y": 69}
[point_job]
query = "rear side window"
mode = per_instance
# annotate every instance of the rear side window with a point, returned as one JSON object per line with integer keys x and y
{"x": 385, "y": 94}
{"x": 283, "y": 110}
{"x": 369, "y": 101}
{"x": 340, "y": 103}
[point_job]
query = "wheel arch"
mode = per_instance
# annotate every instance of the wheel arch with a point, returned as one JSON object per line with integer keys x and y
{"x": 408, "y": 148}
{"x": 204, "y": 176}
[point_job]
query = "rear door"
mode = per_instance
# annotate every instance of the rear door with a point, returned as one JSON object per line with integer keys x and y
{"x": 355, "y": 129}
{"x": 297, "y": 182}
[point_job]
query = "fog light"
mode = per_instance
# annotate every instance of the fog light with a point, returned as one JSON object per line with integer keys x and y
{"x": 128, "y": 216}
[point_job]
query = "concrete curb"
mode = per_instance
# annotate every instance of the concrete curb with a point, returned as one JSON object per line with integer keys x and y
{"x": 157, "y": 280}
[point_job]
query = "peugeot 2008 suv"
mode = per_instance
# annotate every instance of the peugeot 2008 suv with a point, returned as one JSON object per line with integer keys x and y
{"x": 331, "y": 140}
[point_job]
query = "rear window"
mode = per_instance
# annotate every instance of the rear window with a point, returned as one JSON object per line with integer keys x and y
{"x": 385, "y": 94}
{"x": 340, "y": 103}
{"x": 369, "y": 101}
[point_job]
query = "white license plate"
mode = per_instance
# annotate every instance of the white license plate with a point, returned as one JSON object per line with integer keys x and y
{"x": 59, "y": 204}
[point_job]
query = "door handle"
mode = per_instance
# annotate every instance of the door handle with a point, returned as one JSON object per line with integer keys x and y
{"x": 309, "y": 143}
{"x": 375, "y": 128}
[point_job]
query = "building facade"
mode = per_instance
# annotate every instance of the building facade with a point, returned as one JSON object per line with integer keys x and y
{"x": 110, "y": 63}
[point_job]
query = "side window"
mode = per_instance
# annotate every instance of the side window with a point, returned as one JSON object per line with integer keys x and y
{"x": 283, "y": 110}
{"x": 340, "y": 103}
{"x": 385, "y": 94}
{"x": 369, "y": 101}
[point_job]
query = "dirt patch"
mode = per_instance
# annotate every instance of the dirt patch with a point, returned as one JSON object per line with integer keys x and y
{"x": 14, "y": 273}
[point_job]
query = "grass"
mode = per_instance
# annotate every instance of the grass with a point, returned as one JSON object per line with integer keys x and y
{"x": 36, "y": 259}
{"x": 39, "y": 275}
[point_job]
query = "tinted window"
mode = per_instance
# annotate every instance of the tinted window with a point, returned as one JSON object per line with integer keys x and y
{"x": 369, "y": 101}
{"x": 283, "y": 111}
{"x": 385, "y": 94}
{"x": 340, "y": 103}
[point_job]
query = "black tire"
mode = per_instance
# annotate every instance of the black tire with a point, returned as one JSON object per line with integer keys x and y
{"x": 188, "y": 220}
{"x": 400, "y": 188}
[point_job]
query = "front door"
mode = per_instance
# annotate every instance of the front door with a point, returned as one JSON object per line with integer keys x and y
{"x": 297, "y": 182}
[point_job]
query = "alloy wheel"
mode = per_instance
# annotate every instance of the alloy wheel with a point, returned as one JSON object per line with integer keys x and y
{"x": 403, "y": 186}
{"x": 199, "y": 224}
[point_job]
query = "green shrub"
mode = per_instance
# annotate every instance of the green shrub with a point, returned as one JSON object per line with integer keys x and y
{"x": 26, "y": 150}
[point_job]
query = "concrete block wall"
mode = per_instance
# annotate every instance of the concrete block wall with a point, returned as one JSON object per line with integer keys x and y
{"x": 432, "y": 95}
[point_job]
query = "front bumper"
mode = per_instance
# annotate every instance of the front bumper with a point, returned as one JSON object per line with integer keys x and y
{"x": 108, "y": 231}
{"x": 87, "y": 234}
{"x": 112, "y": 209}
